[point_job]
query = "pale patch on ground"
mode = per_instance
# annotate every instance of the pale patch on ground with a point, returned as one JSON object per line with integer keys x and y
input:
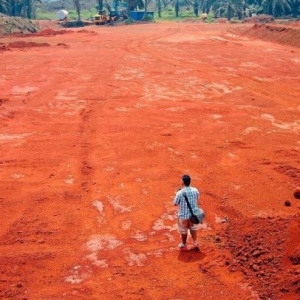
{"x": 99, "y": 205}
{"x": 102, "y": 242}
{"x": 160, "y": 223}
{"x": 101, "y": 263}
{"x": 126, "y": 74}
{"x": 116, "y": 203}
{"x": 220, "y": 219}
{"x": 139, "y": 236}
{"x": 21, "y": 90}
{"x": 17, "y": 176}
{"x": 249, "y": 64}
{"x": 14, "y": 136}
{"x": 262, "y": 79}
{"x": 69, "y": 180}
{"x": 126, "y": 224}
{"x": 296, "y": 60}
{"x": 176, "y": 109}
{"x": 294, "y": 126}
{"x": 250, "y": 129}
{"x": 77, "y": 275}
{"x": 134, "y": 259}
{"x": 216, "y": 117}
{"x": 123, "y": 109}
{"x": 109, "y": 169}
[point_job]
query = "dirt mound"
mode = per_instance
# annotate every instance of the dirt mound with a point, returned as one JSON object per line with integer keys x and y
{"x": 18, "y": 26}
{"x": 262, "y": 248}
{"x": 22, "y": 45}
{"x": 261, "y": 19}
{"x": 12, "y": 25}
{"x": 287, "y": 35}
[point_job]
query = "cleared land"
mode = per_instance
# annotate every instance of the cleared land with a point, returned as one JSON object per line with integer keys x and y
{"x": 97, "y": 127}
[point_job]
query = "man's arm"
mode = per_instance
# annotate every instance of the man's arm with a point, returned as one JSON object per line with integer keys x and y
{"x": 177, "y": 198}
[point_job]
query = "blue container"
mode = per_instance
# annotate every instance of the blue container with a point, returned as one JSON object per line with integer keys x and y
{"x": 139, "y": 15}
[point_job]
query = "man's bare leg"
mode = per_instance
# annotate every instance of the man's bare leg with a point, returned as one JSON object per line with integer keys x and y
{"x": 194, "y": 237}
{"x": 184, "y": 238}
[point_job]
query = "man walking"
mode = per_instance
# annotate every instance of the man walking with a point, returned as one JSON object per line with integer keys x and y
{"x": 184, "y": 214}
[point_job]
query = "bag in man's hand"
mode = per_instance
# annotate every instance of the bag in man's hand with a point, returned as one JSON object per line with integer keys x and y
{"x": 198, "y": 217}
{"x": 194, "y": 219}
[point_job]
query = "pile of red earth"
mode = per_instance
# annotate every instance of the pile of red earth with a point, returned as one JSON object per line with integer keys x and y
{"x": 22, "y": 45}
{"x": 267, "y": 252}
{"x": 287, "y": 35}
{"x": 261, "y": 19}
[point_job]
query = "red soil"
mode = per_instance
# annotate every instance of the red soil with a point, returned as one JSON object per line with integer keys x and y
{"x": 95, "y": 137}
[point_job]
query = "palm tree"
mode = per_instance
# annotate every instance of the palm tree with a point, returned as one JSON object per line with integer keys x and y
{"x": 177, "y": 4}
{"x": 100, "y": 4}
{"x": 134, "y": 4}
{"x": 196, "y": 7}
{"x": 4, "y": 6}
{"x": 294, "y": 5}
{"x": 205, "y": 5}
{"x": 228, "y": 8}
{"x": 78, "y": 9}
{"x": 159, "y": 6}
{"x": 23, "y": 8}
{"x": 276, "y": 7}
{"x": 28, "y": 9}
{"x": 145, "y": 9}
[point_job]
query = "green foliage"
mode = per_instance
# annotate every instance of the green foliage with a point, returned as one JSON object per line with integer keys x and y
{"x": 228, "y": 8}
{"x": 148, "y": 17}
{"x": 42, "y": 14}
{"x": 166, "y": 9}
{"x": 210, "y": 18}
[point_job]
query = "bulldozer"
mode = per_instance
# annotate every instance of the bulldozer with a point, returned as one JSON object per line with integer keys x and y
{"x": 106, "y": 16}
{"x": 102, "y": 17}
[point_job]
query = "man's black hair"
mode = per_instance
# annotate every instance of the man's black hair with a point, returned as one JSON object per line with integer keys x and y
{"x": 186, "y": 180}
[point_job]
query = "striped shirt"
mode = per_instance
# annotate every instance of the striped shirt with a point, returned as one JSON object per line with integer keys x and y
{"x": 192, "y": 195}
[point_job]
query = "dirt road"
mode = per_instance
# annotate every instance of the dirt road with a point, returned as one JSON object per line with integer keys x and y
{"x": 98, "y": 126}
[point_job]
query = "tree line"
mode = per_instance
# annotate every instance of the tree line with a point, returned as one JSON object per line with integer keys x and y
{"x": 219, "y": 8}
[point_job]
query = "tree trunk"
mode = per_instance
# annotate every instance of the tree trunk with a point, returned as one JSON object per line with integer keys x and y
{"x": 78, "y": 8}
{"x": 295, "y": 8}
{"x": 177, "y": 8}
{"x": 159, "y": 8}
{"x": 145, "y": 10}
{"x": 100, "y": 4}
{"x": 196, "y": 8}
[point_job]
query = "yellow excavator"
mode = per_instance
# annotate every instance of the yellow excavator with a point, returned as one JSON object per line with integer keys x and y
{"x": 106, "y": 16}
{"x": 102, "y": 17}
